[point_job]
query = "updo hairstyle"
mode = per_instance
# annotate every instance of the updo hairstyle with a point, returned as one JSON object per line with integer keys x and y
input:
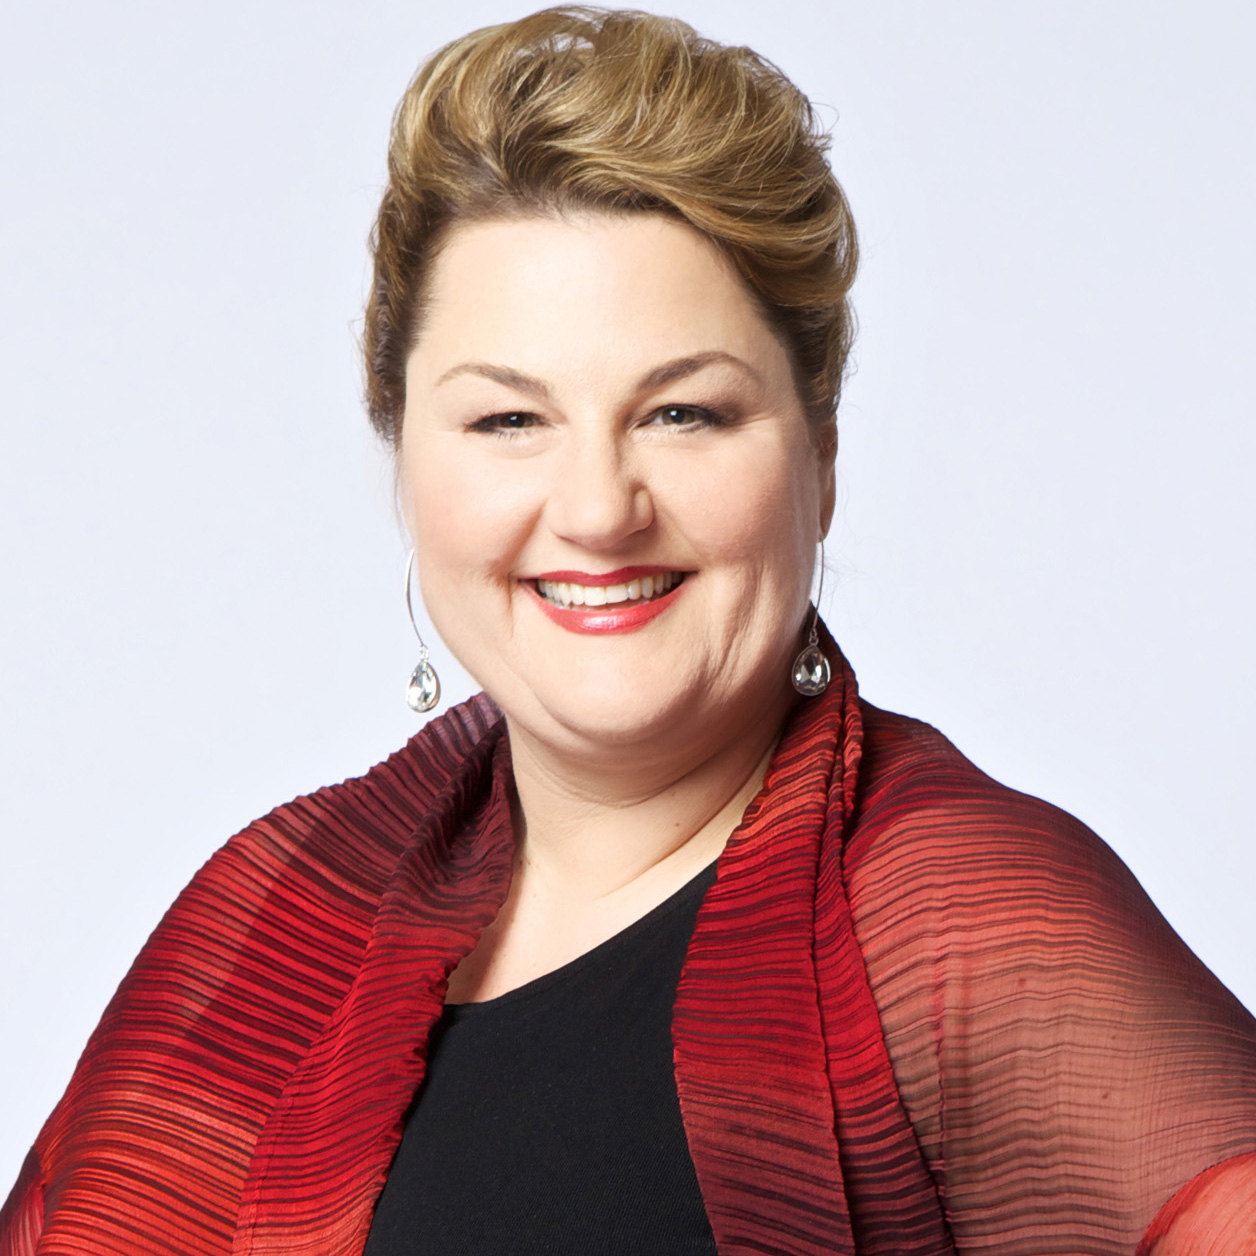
{"x": 576, "y": 109}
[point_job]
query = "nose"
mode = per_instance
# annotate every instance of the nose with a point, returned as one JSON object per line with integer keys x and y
{"x": 597, "y": 498}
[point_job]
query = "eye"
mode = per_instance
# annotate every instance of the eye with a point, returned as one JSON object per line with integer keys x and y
{"x": 505, "y": 424}
{"x": 685, "y": 417}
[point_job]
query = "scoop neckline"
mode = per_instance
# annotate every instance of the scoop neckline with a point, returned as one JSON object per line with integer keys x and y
{"x": 702, "y": 880}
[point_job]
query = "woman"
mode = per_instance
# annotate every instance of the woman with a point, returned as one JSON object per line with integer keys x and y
{"x": 670, "y": 943}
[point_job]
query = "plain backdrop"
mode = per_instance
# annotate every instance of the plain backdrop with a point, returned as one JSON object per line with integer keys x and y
{"x": 1044, "y": 543}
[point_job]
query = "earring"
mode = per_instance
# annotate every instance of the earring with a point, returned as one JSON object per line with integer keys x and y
{"x": 423, "y": 690}
{"x": 811, "y": 673}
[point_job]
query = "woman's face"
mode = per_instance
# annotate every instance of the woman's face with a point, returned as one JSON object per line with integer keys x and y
{"x": 609, "y": 480}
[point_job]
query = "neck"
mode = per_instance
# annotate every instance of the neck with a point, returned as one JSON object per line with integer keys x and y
{"x": 600, "y": 842}
{"x": 598, "y": 827}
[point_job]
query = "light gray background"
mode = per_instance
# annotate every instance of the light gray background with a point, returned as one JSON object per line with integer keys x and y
{"x": 1045, "y": 539}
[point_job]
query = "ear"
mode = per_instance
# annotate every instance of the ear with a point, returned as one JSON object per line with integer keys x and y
{"x": 826, "y": 470}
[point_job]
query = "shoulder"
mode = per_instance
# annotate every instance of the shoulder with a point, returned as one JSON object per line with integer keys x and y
{"x": 303, "y": 881}
{"x": 933, "y": 827}
{"x": 323, "y": 859}
{"x": 239, "y": 977}
{"x": 961, "y": 886}
{"x": 347, "y": 837}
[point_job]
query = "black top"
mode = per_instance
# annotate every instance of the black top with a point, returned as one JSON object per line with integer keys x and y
{"x": 549, "y": 1121}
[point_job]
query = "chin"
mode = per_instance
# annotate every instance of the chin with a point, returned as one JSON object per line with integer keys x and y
{"x": 620, "y": 728}
{"x": 647, "y": 722}
{"x": 626, "y": 712}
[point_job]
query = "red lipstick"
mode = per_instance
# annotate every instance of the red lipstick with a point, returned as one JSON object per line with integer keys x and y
{"x": 621, "y": 617}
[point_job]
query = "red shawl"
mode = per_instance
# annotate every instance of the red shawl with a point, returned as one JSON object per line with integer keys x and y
{"x": 920, "y": 1014}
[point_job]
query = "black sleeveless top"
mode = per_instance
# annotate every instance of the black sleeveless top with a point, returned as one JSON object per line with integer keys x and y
{"x": 549, "y": 1122}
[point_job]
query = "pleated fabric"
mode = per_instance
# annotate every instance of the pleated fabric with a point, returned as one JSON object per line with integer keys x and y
{"x": 1066, "y": 1062}
{"x": 920, "y": 1014}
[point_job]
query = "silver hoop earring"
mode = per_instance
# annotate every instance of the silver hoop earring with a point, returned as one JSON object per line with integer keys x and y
{"x": 811, "y": 674}
{"x": 423, "y": 689}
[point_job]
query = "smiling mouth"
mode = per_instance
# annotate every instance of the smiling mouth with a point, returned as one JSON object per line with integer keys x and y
{"x": 640, "y": 589}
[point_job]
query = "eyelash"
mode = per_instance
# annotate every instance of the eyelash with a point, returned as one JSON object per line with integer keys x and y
{"x": 704, "y": 417}
{"x": 494, "y": 424}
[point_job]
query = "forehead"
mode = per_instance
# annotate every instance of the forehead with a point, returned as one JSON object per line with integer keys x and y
{"x": 589, "y": 292}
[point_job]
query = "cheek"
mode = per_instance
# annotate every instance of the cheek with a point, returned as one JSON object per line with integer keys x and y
{"x": 466, "y": 524}
{"x": 760, "y": 513}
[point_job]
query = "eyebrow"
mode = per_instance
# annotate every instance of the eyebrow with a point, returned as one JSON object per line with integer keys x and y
{"x": 499, "y": 374}
{"x": 681, "y": 368}
{"x": 667, "y": 373}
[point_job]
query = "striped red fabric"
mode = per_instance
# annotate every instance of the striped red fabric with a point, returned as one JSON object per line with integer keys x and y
{"x": 920, "y": 1014}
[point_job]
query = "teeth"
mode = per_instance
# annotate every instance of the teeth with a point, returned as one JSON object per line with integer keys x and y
{"x": 565, "y": 594}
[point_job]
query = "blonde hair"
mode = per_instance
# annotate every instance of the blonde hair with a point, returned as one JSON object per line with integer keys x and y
{"x": 590, "y": 109}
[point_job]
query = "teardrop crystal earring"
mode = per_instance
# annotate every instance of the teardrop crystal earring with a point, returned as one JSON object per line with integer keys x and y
{"x": 811, "y": 674}
{"x": 423, "y": 689}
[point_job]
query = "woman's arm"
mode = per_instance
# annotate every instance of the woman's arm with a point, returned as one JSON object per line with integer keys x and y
{"x": 1214, "y": 1214}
